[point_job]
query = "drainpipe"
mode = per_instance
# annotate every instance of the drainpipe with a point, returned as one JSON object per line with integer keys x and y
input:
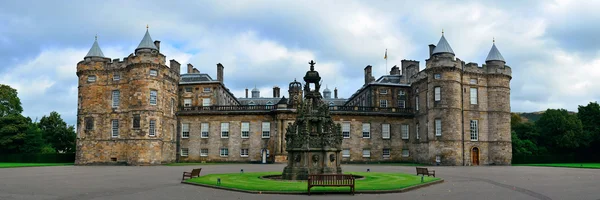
{"x": 462, "y": 113}
{"x": 178, "y": 141}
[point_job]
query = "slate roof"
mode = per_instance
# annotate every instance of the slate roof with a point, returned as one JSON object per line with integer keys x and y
{"x": 95, "y": 51}
{"x": 195, "y": 78}
{"x": 147, "y": 42}
{"x": 494, "y": 54}
{"x": 443, "y": 46}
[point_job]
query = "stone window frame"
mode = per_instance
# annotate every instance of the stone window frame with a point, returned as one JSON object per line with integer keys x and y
{"x": 346, "y": 132}
{"x": 385, "y": 134}
{"x": 205, "y": 89}
{"x": 245, "y": 130}
{"x": 474, "y": 129}
{"x": 383, "y": 153}
{"x": 185, "y": 133}
{"x": 368, "y": 153}
{"x": 204, "y": 130}
{"x": 401, "y": 103}
{"x": 473, "y": 96}
{"x": 153, "y": 101}
{"x": 116, "y": 76}
{"x": 89, "y": 123}
{"x": 91, "y": 78}
{"x": 224, "y": 152}
{"x": 185, "y": 152}
{"x": 437, "y": 93}
{"x": 266, "y": 130}
{"x": 405, "y": 131}
{"x": 242, "y": 152}
{"x": 383, "y": 91}
{"x": 114, "y": 128}
{"x": 188, "y": 89}
{"x": 224, "y": 129}
{"x": 116, "y": 98}
{"x": 438, "y": 127}
{"x": 205, "y": 102}
{"x": 203, "y": 152}
{"x": 473, "y": 81}
{"x": 346, "y": 155}
{"x": 152, "y": 128}
{"x": 417, "y": 131}
{"x": 366, "y": 130}
{"x": 405, "y": 153}
{"x": 437, "y": 76}
{"x": 136, "y": 123}
{"x": 383, "y": 103}
{"x": 185, "y": 104}
{"x": 153, "y": 72}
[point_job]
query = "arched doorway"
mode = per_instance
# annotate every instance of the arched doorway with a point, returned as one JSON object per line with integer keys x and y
{"x": 475, "y": 156}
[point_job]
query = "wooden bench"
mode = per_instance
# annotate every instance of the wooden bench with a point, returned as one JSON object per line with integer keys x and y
{"x": 333, "y": 180}
{"x": 194, "y": 173}
{"x": 425, "y": 171}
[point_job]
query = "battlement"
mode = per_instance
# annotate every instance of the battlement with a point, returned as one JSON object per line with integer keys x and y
{"x": 491, "y": 67}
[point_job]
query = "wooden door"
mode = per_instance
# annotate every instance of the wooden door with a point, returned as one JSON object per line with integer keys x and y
{"x": 475, "y": 156}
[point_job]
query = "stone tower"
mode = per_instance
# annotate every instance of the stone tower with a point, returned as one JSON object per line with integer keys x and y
{"x": 295, "y": 94}
{"x": 314, "y": 141}
{"x": 126, "y": 109}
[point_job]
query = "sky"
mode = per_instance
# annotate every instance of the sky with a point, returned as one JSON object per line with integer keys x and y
{"x": 551, "y": 46}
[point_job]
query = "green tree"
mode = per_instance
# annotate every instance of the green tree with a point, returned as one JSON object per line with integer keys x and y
{"x": 590, "y": 119}
{"x": 57, "y": 134}
{"x": 9, "y": 101}
{"x": 33, "y": 140}
{"x": 13, "y": 133}
{"x": 561, "y": 131}
{"x": 523, "y": 147}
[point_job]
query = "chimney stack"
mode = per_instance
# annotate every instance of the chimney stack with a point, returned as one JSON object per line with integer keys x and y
{"x": 335, "y": 93}
{"x": 220, "y": 72}
{"x": 190, "y": 68}
{"x": 431, "y": 47}
{"x": 196, "y": 71}
{"x": 276, "y": 92}
{"x": 246, "y": 92}
{"x": 157, "y": 44}
{"x": 175, "y": 66}
{"x": 368, "y": 74}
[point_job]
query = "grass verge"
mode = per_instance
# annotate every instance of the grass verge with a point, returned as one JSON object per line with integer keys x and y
{"x": 208, "y": 163}
{"x": 13, "y": 165}
{"x": 570, "y": 165}
{"x": 373, "y": 181}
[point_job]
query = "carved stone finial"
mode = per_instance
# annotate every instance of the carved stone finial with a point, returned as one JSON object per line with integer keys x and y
{"x": 312, "y": 65}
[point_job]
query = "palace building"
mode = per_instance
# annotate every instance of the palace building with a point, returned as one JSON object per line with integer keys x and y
{"x": 140, "y": 111}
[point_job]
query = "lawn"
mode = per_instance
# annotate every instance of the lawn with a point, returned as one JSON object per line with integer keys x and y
{"x": 251, "y": 181}
{"x": 209, "y": 163}
{"x": 11, "y": 165}
{"x": 389, "y": 163}
{"x": 572, "y": 165}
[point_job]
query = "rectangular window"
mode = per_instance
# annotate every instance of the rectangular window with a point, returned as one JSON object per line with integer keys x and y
{"x": 245, "y": 129}
{"x": 405, "y": 133}
{"x": 136, "y": 121}
{"x": 172, "y": 106}
{"x": 203, "y": 152}
{"x": 204, "y": 130}
{"x": 437, "y": 76}
{"x": 366, "y": 130}
{"x": 383, "y": 91}
{"x": 153, "y": 72}
{"x": 366, "y": 153}
{"x": 153, "y": 94}
{"x": 266, "y": 129}
{"x": 405, "y": 153}
{"x": 437, "y": 94}
{"x": 152, "y": 131}
{"x": 116, "y": 76}
{"x": 115, "y": 128}
{"x": 224, "y": 130}
{"x": 417, "y": 131}
{"x": 206, "y": 102}
{"x": 187, "y": 102}
{"x": 474, "y": 131}
{"x": 438, "y": 159}
{"x": 438, "y": 127}
{"x": 401, "y": 104}
{"x": 89, "y": 123}
{"x": 473, "y": 95}
{"x": 224, "y": 152}
{"x": 473, "y": 81}
{"x": 385, "y": 131}
{"x": 184, "y": 152}
{"x": 188, "y": 89}
{"x": 346, "y": 153}
{"x": 417, "y": 102}
{"x": 386, "y": 153}
{"x": 91, "y": 79}
{"x": 206, "y": 89}
{"x": 244, "y": 153}
{"x": 346, "y": 129}
{"x": 383, "y": 103}
{"x": 116, "y": 94}
{"x": 185, "y": 130}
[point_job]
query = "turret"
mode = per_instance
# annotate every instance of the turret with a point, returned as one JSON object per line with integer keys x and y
{"x": 147, "y": 45}
{"x": 327, "y": 93}
{"x": 255, "y": 92}
{"x": 95, "y": 51}
{"x": 494, "y": 58}
{"x": 443, "y": 49}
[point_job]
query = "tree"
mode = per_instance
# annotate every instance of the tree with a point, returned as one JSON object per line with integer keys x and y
{"x": 590, "y": 119}
{"x": 57, "y": 134}
{"x": 33, "y": 141}
{"x": 9, "y": 101}
{"x": 13, "y": 133}
{"x": 561, "y": 131}
{"x": 523, "y": 147}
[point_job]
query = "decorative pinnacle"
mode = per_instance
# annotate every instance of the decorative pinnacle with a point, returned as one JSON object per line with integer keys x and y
{"x": 442, "y": 31}
{"x": 96, "y": 37}
{"x": 494, "y": 40}
{"x": 146, "y": 26}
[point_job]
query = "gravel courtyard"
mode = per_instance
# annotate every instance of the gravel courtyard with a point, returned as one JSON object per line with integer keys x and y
{"x": 163, "y": 182}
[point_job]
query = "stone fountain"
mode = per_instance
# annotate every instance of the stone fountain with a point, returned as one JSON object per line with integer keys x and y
{"x": 313, "y": 141}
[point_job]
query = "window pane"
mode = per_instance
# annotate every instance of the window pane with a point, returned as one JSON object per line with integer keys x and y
{"x": 266, "y": 129}
{"x": 385, "y": 131}
{"x": 437, "y": 94}
{"x": 204, "y": 130}
{"x": 366, "y": 130}
{"x": 152, "y": 131}
{"x": 224, "y": 130}
{"x": 474, "y": 130}
{"x": 153, "y": 95}
{"x": 438, "y": 127}
{"x": 346, "y": 129}
{"x": 185, "y": 130}
{"x": 116, "y": 98}
{"x": 405, "y": 134}
{"x": 473, "y": 95}
{"x": 115, "y": 128}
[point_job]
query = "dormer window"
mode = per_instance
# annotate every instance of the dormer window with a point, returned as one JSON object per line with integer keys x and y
{"x": 269, "y": 103}
{"x": 251, "y": 103}
{"x": 331, "y": 103}
{"x": 91, "y": 79}
{"x": 153, "y": 72}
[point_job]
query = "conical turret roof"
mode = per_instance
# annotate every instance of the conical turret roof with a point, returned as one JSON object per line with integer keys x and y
{"x": 494, "y": 54}
{"x": 147, "y": 42}
{"x": 95, "y": 51}
{"x": 443, "y": 46}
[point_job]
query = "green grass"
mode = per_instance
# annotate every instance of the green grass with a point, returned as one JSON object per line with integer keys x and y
{"x": 195, "y": 163}
{"x": 12, "y": 165}
{"x": 393, "y": 164}
{"x": 571, "y": 165}
{"x": 251, "y": 181}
